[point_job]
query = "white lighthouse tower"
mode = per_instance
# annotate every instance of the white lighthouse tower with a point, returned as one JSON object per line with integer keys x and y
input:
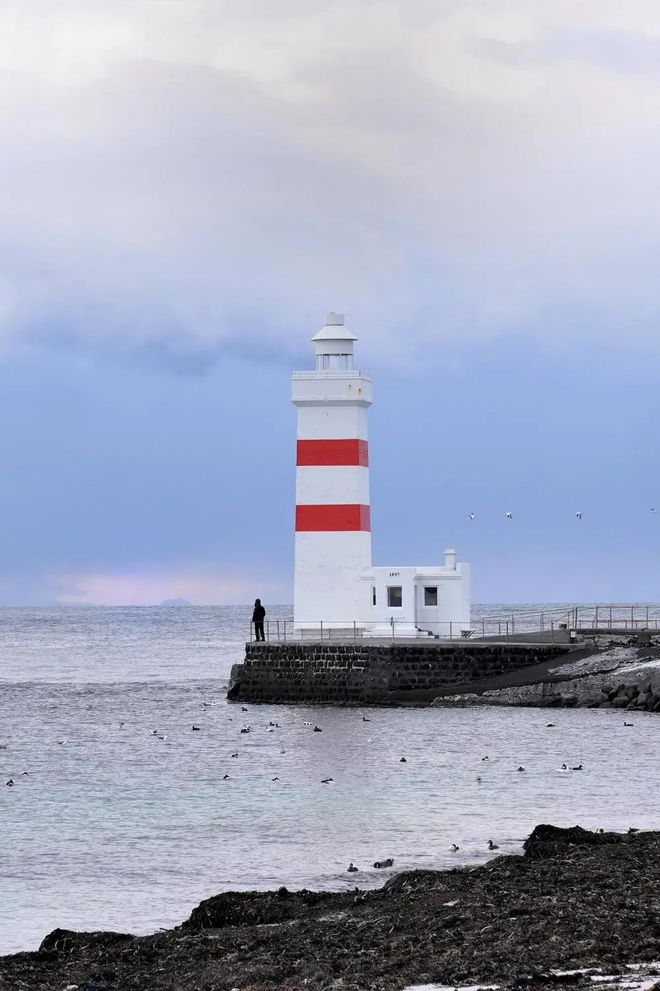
{"x": 333, "y": 519}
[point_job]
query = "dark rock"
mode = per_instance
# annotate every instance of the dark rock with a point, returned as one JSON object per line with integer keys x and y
{"x": 241, "y": 908}
{"x": 577, "y": 899}
{"x": 66, "y": 941}
{"x": 548, "y": 841}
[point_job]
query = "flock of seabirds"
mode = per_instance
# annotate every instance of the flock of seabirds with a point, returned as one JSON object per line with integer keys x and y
{"x": 272, "y": 726}
{"x": 578, "y": 515}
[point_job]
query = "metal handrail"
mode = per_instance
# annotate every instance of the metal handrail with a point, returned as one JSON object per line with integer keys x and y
{"x": 284, "y": 631}
{"x": 592, "y": 618}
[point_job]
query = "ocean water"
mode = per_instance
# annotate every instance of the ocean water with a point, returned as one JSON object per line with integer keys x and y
{"x": 125, "y": 819}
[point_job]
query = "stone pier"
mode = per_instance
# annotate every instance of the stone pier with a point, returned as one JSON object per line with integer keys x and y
{"x": 361, "y": 673}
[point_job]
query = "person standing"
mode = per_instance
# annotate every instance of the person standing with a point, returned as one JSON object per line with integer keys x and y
{"x": 258, "y": 616}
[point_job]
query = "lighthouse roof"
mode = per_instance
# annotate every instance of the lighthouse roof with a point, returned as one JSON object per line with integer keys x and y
{"x": 334, "y": 329}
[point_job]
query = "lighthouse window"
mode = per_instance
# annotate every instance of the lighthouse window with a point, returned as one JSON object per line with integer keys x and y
{"x": 373, "y": 595}
{"x": 430, "y": 595}
{"x": 335, "y": 362}
{"x": 394, "y": 596}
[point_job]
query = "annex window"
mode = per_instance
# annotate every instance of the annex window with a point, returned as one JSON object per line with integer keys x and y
{"x": 394, "y": 596}
{"x": 430, "y": 595}
{"x": 373, "y": 595}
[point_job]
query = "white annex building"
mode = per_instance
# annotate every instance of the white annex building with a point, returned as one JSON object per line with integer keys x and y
{"x": 335, "y": 581}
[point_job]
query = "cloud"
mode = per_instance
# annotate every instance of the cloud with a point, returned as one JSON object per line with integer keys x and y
{"x": 181, "y": 177}
{"x": 142, "y": 588}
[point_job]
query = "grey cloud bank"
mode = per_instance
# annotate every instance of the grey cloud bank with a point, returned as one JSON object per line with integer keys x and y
{"x": 194, "y": 169}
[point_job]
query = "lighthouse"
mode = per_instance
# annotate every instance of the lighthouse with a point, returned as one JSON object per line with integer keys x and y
{"x": 336, "y": 585}
{"x": 333, "y": 516}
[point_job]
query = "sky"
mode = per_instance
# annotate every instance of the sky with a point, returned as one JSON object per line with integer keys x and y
{"x": 187, "y": 187}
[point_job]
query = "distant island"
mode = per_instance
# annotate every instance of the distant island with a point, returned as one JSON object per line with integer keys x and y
{"x": 175, "y": 602}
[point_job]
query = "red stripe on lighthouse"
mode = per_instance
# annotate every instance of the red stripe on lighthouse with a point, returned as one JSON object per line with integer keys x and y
{"x": 333, "y": 452}
{"x": 325, "y": 518}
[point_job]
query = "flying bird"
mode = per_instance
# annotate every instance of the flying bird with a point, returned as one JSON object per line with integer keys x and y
{"x": 578, "y": 516}
{"x": 509, "y": 516}
{"x": 471, "y": 516}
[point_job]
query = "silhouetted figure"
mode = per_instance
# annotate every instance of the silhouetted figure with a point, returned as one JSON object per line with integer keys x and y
{"x": 258, "y": 616}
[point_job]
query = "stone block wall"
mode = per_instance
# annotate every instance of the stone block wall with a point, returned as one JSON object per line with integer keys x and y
{"x": 361, "y": 673}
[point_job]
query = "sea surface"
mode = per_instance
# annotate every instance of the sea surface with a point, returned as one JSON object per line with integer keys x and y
{"x": 127, "y": 817}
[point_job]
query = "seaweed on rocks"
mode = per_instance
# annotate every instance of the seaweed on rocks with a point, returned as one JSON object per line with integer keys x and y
{"x": 549, "y": 841}
{"x": 575, "y": 901}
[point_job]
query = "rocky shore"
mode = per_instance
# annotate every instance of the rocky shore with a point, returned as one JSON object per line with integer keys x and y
{"x": 611, "y": 673}
{"x": 578, "y": 902}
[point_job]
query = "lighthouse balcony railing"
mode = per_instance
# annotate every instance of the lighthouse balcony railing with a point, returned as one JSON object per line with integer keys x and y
{"x": 329, "y": 373}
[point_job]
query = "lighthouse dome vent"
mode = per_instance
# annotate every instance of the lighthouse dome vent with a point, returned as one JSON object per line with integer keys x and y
{"x": 334, "y": 329}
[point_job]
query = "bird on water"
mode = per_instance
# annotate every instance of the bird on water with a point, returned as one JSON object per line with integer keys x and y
{"x": 492, "y": 846}
{"x": 351, "y": 868}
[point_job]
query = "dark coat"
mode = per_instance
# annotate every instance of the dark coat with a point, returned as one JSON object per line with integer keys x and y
{"x": 259, "y": 614}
